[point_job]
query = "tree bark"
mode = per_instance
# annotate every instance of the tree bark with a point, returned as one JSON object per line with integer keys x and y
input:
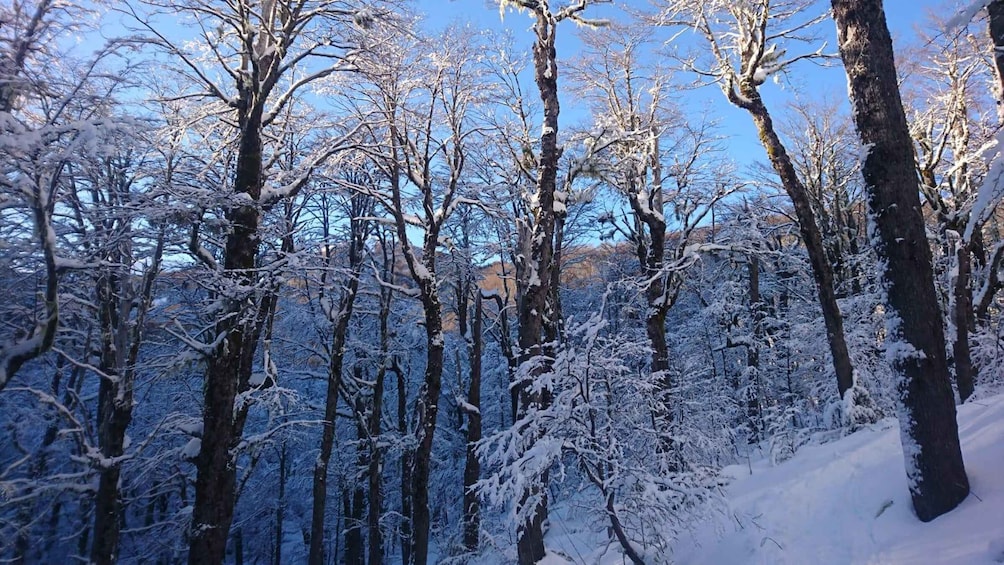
{"x": 426, "y": 411}
{"x": 354, "y": 551}
{"x": 536, "y": 270}
{"x": 996, "y": 27}
{"x": 376, "y": 412}
{"x": 281, "y": 506}
{"x": 472, "y": 466}
{"x": 965, "y": 372}
{"x": 937, "y": 476}
{"x": 375, "y": 499}
{"x": 406, "y": 464}
{"x": 229, "y": 367}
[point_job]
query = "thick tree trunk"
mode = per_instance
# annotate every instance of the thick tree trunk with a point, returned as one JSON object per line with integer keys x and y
{"x": 229, "y": 367}
{"x": 937, "y": 476}
{"x": 354, "y": 551}
{"x": 120, "y": 341}
{"x": 427, "y": 409}
{"x": 375, "y": 501}
{"x": 114, "y": 415}
{"x": 472, "y": 466}
{"x": 822, "y": 271}
{"x": 535, "y": 272}
{"x": 113, "y": 421}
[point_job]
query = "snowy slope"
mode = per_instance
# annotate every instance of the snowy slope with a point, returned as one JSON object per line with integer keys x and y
{"x": 846, "y": 502}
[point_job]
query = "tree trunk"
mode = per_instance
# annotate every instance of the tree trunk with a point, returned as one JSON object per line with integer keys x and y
{"x": 618, "y": 528}
{"x": 822, "y": 271}
{"x": 355, "y": 551}
{"x": 937, "y": 476}
{"x": 753, "y": 351}
{"x": 996, "y": 26}
{"x": 354, "y": 554}
{"x": 472, "y": 467}
{"x": 965, "y": 372}
{"x": 427, "y": 409}
{"x": 376, "y": 412}
{"x": 239, "y": 547}
{"x": 406, "y": 464}
{"x": 229, "y": 367}
{"x": 535, "y": 270}
{"x": 120, "y": 343}
{"x": 339, "y": 335}
{"x": 280, "y": 509}
{"x": 114, "y": 415}
{"x": 375, "y": 484}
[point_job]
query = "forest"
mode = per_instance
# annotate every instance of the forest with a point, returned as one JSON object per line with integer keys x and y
{"x": 338, "y": 281}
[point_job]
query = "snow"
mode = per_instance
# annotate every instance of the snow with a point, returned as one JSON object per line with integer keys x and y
{"x": 989, "y": 190}
{"x": 191, "y": 449}
{"x": 965, "y": 15}
{"x": 847, "y": 502}
{"x": 839, "y": 503}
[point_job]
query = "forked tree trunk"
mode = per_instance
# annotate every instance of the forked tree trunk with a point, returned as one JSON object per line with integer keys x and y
{"x": 120, "y": 342}
{"x": 936, "y": 474}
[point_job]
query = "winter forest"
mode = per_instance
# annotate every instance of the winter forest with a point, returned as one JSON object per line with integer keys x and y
{"x": 338, "y": 281}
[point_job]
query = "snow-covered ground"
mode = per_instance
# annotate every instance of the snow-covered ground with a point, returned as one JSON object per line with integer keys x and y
{"x": 846, "y": 502}
{"x": 840, "y": 503}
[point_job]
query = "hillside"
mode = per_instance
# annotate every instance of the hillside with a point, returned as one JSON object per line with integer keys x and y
{"x": 840, "y": 503}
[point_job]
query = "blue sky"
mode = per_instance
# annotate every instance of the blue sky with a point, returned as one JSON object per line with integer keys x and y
{"x": 806, "y": 80}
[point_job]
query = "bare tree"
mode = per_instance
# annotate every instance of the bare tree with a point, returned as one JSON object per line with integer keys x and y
{"x": 123, "y": 301}
{"x": 915, "y": 339}
{"x": 951, "y": 121}
{"x": 359, "y": 212}
{"x": 825, "y": 153}
{"x": 748, "y": 42}
{"x": 50, "y": 100}
{"x": 535, "y": 241}
{"x": 664, "y": 166}
{"x": 423, "y": 97}
{"x": 257, "y": 58}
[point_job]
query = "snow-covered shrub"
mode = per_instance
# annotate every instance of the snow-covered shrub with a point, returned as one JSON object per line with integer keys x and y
{"x": 597, "y": 433}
